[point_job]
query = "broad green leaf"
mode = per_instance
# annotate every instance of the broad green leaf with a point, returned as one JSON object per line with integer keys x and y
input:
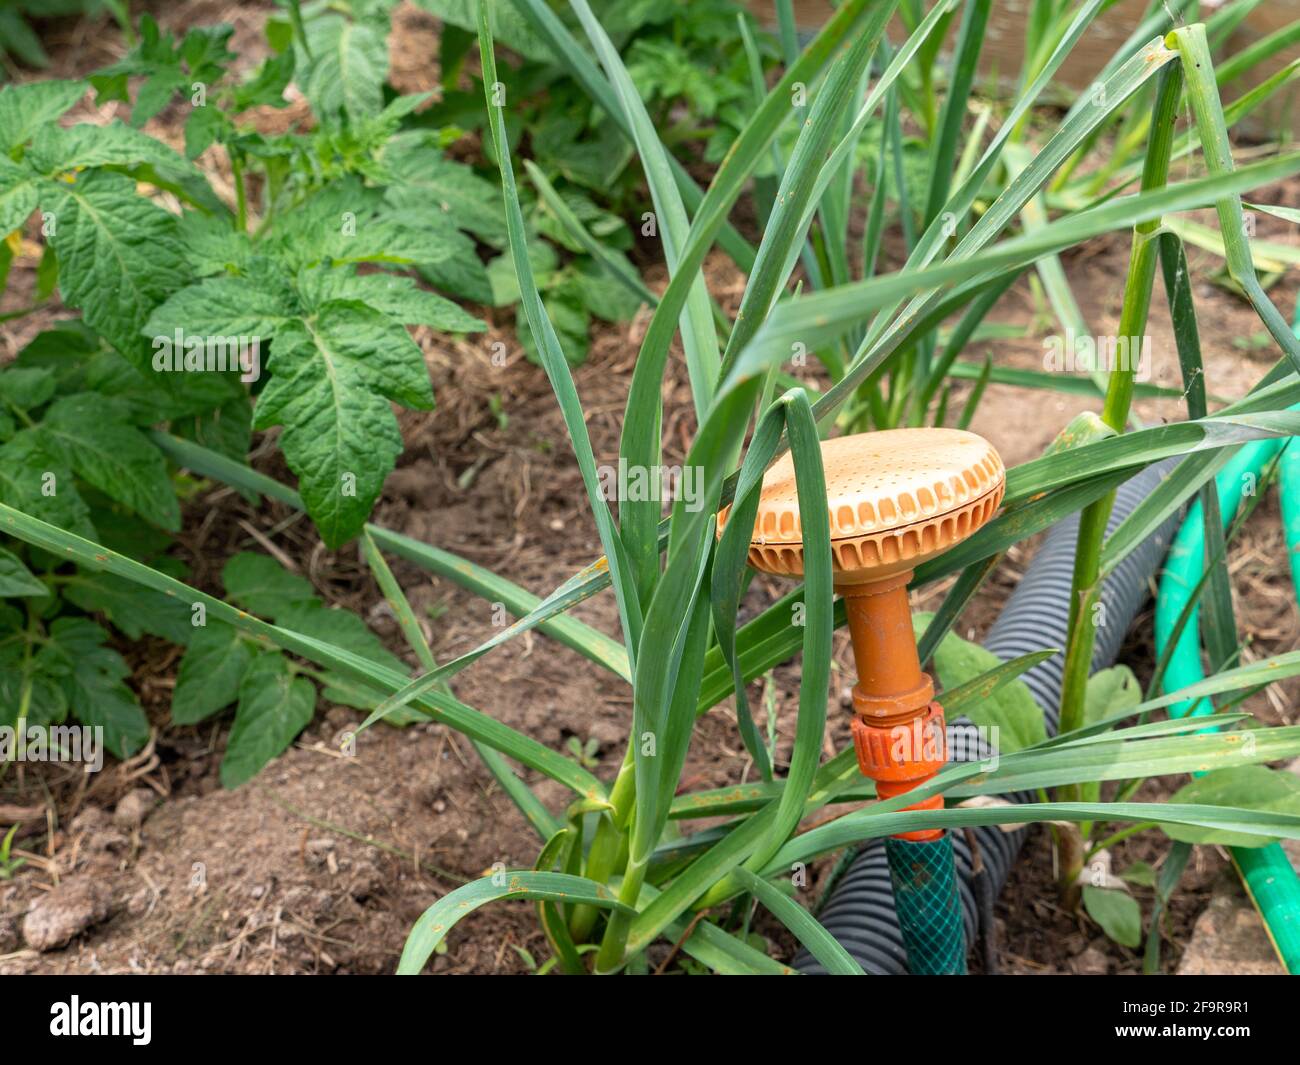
{"x": 1117, "y": 912}
{"x": 1139, "y": 873}
{"x": 398, "y": 297}
{"x": 210, "y": 674}
{"x": 223, "y": 306}
{"x": 119, "y": 256}
{"x": 58, "y": 149}
{"x": 428, "y": 182}
{"x": 344, "y": 74}
{"x": 42, "y": 677}
{"x": 342, "y": 628}
{"x": 35, "y": 479}
{"x": 89, "y": 434}
{"x": 16, "y": 580}
{"x": 93, "y": 680}
{"x": 508, "y": 26}
{"x": 27, "y": 387}
{"x": 129, "y": 607}
{"x": 18, "y": 196}
{"x": 1250, "y": 787}
{"x": 261, "y": 585}
{"x": 26, "y": 108}
{"x": 331, "y": 382}
{"x": 1011, "y": 712}
{"x": 274, "y": 706}
{"x": 1110, "y": 692}
{"x": 227, "y": 430}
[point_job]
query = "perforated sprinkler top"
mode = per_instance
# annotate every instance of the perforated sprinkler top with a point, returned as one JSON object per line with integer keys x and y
{"x": 896, "y": 499}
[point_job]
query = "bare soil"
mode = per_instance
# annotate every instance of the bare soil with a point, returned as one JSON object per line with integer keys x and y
{"x": 322, "y": 863}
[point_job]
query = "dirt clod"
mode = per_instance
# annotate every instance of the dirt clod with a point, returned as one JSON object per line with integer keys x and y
{"x": 134, "y": 807}
{"x": 1092, "y": 962}
{"x": 8, "y": 935}
{"x": 67, "y": 911}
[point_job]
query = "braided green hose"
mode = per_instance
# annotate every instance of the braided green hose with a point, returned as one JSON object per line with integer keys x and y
{"x": 924, "y": 877}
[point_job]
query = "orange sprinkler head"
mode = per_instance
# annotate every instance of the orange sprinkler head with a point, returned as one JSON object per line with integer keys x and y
{"x": 896, "y": 498}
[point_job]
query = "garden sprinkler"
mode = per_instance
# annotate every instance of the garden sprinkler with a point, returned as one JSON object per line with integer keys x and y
{"x": 897, "y": 498}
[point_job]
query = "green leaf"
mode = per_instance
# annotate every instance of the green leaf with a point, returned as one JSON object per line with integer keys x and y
{"x": 27, "y": 387}
{"x": 19, "y": 39}
{"x": 426, "y": 182}
{"x": 92, "y": 679}
{"x": 42, "y": 676}
{"x": 1250, "y": 787}
{"x": 396, "y": 296}
{"x": 262, "y": 586}
{"x": 36, "y": 480}
{"x": 274, "y": 706}
{"x": 16, "y": 579}
{"x": 1010, "y": 710}
{"x": 820, "y": 943}
{"x": 544, "y": 261}
{"x": 209, "y": 676}
{"x": 434, "y": 924}
{"x": 331, "y": 382}
{"x": 342, "y": 628}
{"x": 227, "y": 430}
{"x": 56, "y": 150}
{"x": 212, "y": 246}
{"x": 1110, "y": 692}
{"x": 1117, "y": 912}
{"x": 557, "y": 370}
{"x": 18, "y": 197}
{"x": 508, "y": 26}
{"x": 439, "y": 706}
{"x": 463, "y": 274}
{"x": 89, "y": 433}
{"x": 24, "y": 109}
{"x": 1139, "y": 873}
{"x": 224, "y": 306}
{"x": 60, "y": 150}
{"x": 129, "y": 607}
{"x": 348, "y": 64}
{"x": 119, "y": 256}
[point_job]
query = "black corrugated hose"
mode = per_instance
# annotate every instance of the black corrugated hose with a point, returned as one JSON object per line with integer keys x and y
{"x": 860, "y": 911}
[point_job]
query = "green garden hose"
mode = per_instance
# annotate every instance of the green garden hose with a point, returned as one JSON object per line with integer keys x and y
{"x": 1266, "y": 872}
{"x": 924, "y": 878}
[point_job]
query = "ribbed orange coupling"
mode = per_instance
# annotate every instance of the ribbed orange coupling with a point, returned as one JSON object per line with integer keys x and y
{"x": 903, "y": 756}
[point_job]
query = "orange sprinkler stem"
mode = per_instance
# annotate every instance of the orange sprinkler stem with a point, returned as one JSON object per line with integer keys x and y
{"x": 895, "y": 499}
{"x": 898, "y": 729}
{"x": 891, "y": 687}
